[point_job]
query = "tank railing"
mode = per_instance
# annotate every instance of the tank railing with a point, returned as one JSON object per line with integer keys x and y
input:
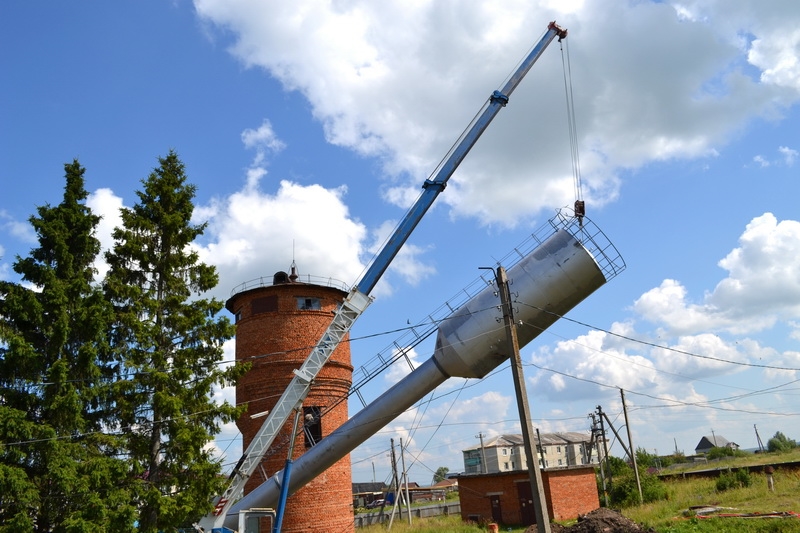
{"x": 606, "y": 256}
{"x": 593, "y": 239}
{"x": 267, "y": 281}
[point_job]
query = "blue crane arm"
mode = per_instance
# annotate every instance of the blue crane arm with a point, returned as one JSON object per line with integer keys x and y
{"x": 432, "y": 187}
{"x": 358, "y": 299}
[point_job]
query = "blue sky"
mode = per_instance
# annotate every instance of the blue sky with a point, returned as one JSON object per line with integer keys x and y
{"x": 320, "y": 120}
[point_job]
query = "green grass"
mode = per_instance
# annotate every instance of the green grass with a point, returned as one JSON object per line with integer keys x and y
{"x": 751, "y": 459}
{"x": 438, "y": 524}
{"x": 674, "y": 516}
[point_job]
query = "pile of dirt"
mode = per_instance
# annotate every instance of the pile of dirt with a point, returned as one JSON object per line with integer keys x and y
{"x": 599, "y": 521}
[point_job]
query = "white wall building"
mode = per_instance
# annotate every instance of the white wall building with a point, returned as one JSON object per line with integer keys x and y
{"x": 504, "y": 453}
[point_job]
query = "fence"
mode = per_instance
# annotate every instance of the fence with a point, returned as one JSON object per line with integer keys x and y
{"x": 426, "y": 511}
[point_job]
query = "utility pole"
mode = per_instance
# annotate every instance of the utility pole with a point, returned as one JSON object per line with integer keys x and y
{"x": 758, "y": 438}
{"x": 396, "y": 484}
{"x": 512, "y": 348}
{"x": 484, "y": 466}
{"x": 405, "y": 480}
{"x": 540, "y": 449}
{"x": 630, "y": 443}
{"x": 601, "y": 459}
{"x": 600, "y": 415}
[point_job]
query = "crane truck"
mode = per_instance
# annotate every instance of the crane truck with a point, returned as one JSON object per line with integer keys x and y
{"x": 358, "y": 299}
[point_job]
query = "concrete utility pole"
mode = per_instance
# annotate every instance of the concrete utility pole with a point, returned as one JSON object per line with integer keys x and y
{"x": 405, "y": 480}
{"x": 601, "y": 460}
{"x": 633, "y": 450}
{"x": 534, "y": 474}
{"x": 758, "y": 438}
{"x": 484, "y": 466}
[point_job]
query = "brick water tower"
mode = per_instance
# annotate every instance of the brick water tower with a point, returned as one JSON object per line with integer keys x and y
{"x": 277, "y": 325}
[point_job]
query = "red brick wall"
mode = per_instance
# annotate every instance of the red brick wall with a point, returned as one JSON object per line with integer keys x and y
{"x": 569, "y": 492}
{"x": 275, "y": 338}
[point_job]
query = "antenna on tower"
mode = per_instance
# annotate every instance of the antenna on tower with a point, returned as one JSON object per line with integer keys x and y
{"x": 293, "y": 275}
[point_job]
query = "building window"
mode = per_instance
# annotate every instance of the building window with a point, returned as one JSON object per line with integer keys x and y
{"x": 512, "y": 451}
{"x": 544, "y": 450}
{"x": 308, "y": 304}
{"x": 312, "y": 425}
{"x": 560, "y": 462}
{"x": 237, "y": 316}
{"x": 505, "y": 451}
{"x": 558, "y": 449}
{"x": 505, "y": 466}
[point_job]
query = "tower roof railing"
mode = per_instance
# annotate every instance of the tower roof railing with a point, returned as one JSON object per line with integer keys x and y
{"x": 308, "y": 279}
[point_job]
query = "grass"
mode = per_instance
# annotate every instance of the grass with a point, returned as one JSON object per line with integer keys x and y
{"x": 674, "y": 516}
{"x": 751, "y": 459}
{"x": 438, "y": 524}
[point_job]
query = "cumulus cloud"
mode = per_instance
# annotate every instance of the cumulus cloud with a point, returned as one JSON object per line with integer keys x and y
{"x": 789, "y": 155}
{"x": 20, "y": 230}
{"x": 107, "y": 205}
{"x": 253, "y": 234}
{"x": 762, "y": 286}
{"x": 595, "y": 363}
{"x": 406, "y": 362}
{"x": 384, "y": 81}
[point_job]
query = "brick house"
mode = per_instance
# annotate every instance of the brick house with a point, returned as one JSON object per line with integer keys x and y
{"x": 505, "y": 497}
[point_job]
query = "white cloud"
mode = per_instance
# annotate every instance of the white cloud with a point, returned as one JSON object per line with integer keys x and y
{"x": 402, "y": 367}
{"x": 789, "y": 155}
{"x": 22, "y": 231}
{"x": 399, "y": 81}
{"x": 407, "y": 263}
{"x": 595, "y": 362}
{"x": 777, "y": 55}
{"x": 253, "y": 234}
{"x": 105, "y": 204}
{"x": 763, "y": 163}
{"x": 762, "y": 286}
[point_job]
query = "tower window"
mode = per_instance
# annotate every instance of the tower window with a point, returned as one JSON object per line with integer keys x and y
{"x": 306, "y": 304}
{"x": 312, "y": 425}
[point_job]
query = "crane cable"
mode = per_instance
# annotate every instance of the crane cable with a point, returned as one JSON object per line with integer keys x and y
{"x": 580, "y": 206}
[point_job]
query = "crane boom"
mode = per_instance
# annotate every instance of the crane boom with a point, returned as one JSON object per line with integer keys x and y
{"x": 358, "y": 299}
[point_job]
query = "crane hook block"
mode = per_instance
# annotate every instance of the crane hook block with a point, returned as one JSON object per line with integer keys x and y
{"x": 580, "y": 208}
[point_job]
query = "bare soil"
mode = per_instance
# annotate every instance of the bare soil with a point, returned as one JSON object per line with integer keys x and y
{"x": 599, "y": 521}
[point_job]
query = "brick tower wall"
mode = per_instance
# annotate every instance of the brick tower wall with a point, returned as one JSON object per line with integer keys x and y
{"x": 276, "y": 328}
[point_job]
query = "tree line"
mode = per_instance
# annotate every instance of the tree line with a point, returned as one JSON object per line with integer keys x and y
{"x": 105, "y": 384}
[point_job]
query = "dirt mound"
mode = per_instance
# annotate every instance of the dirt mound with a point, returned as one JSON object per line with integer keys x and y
{"x": 599, "y": 521}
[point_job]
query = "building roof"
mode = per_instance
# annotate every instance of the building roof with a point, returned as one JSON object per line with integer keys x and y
{"x": 718, "y": 441}
{"x": 548, "y": 439}
{"x": 358, "y": 488}
{"x": 446, "y": 483}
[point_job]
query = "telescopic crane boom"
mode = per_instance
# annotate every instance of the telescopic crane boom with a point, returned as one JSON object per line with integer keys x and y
{"x": 358, "y": 299}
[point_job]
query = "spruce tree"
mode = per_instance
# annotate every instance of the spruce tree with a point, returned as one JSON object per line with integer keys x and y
{"x": 58, "y": 470}
{"x": 169, "y": 340}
